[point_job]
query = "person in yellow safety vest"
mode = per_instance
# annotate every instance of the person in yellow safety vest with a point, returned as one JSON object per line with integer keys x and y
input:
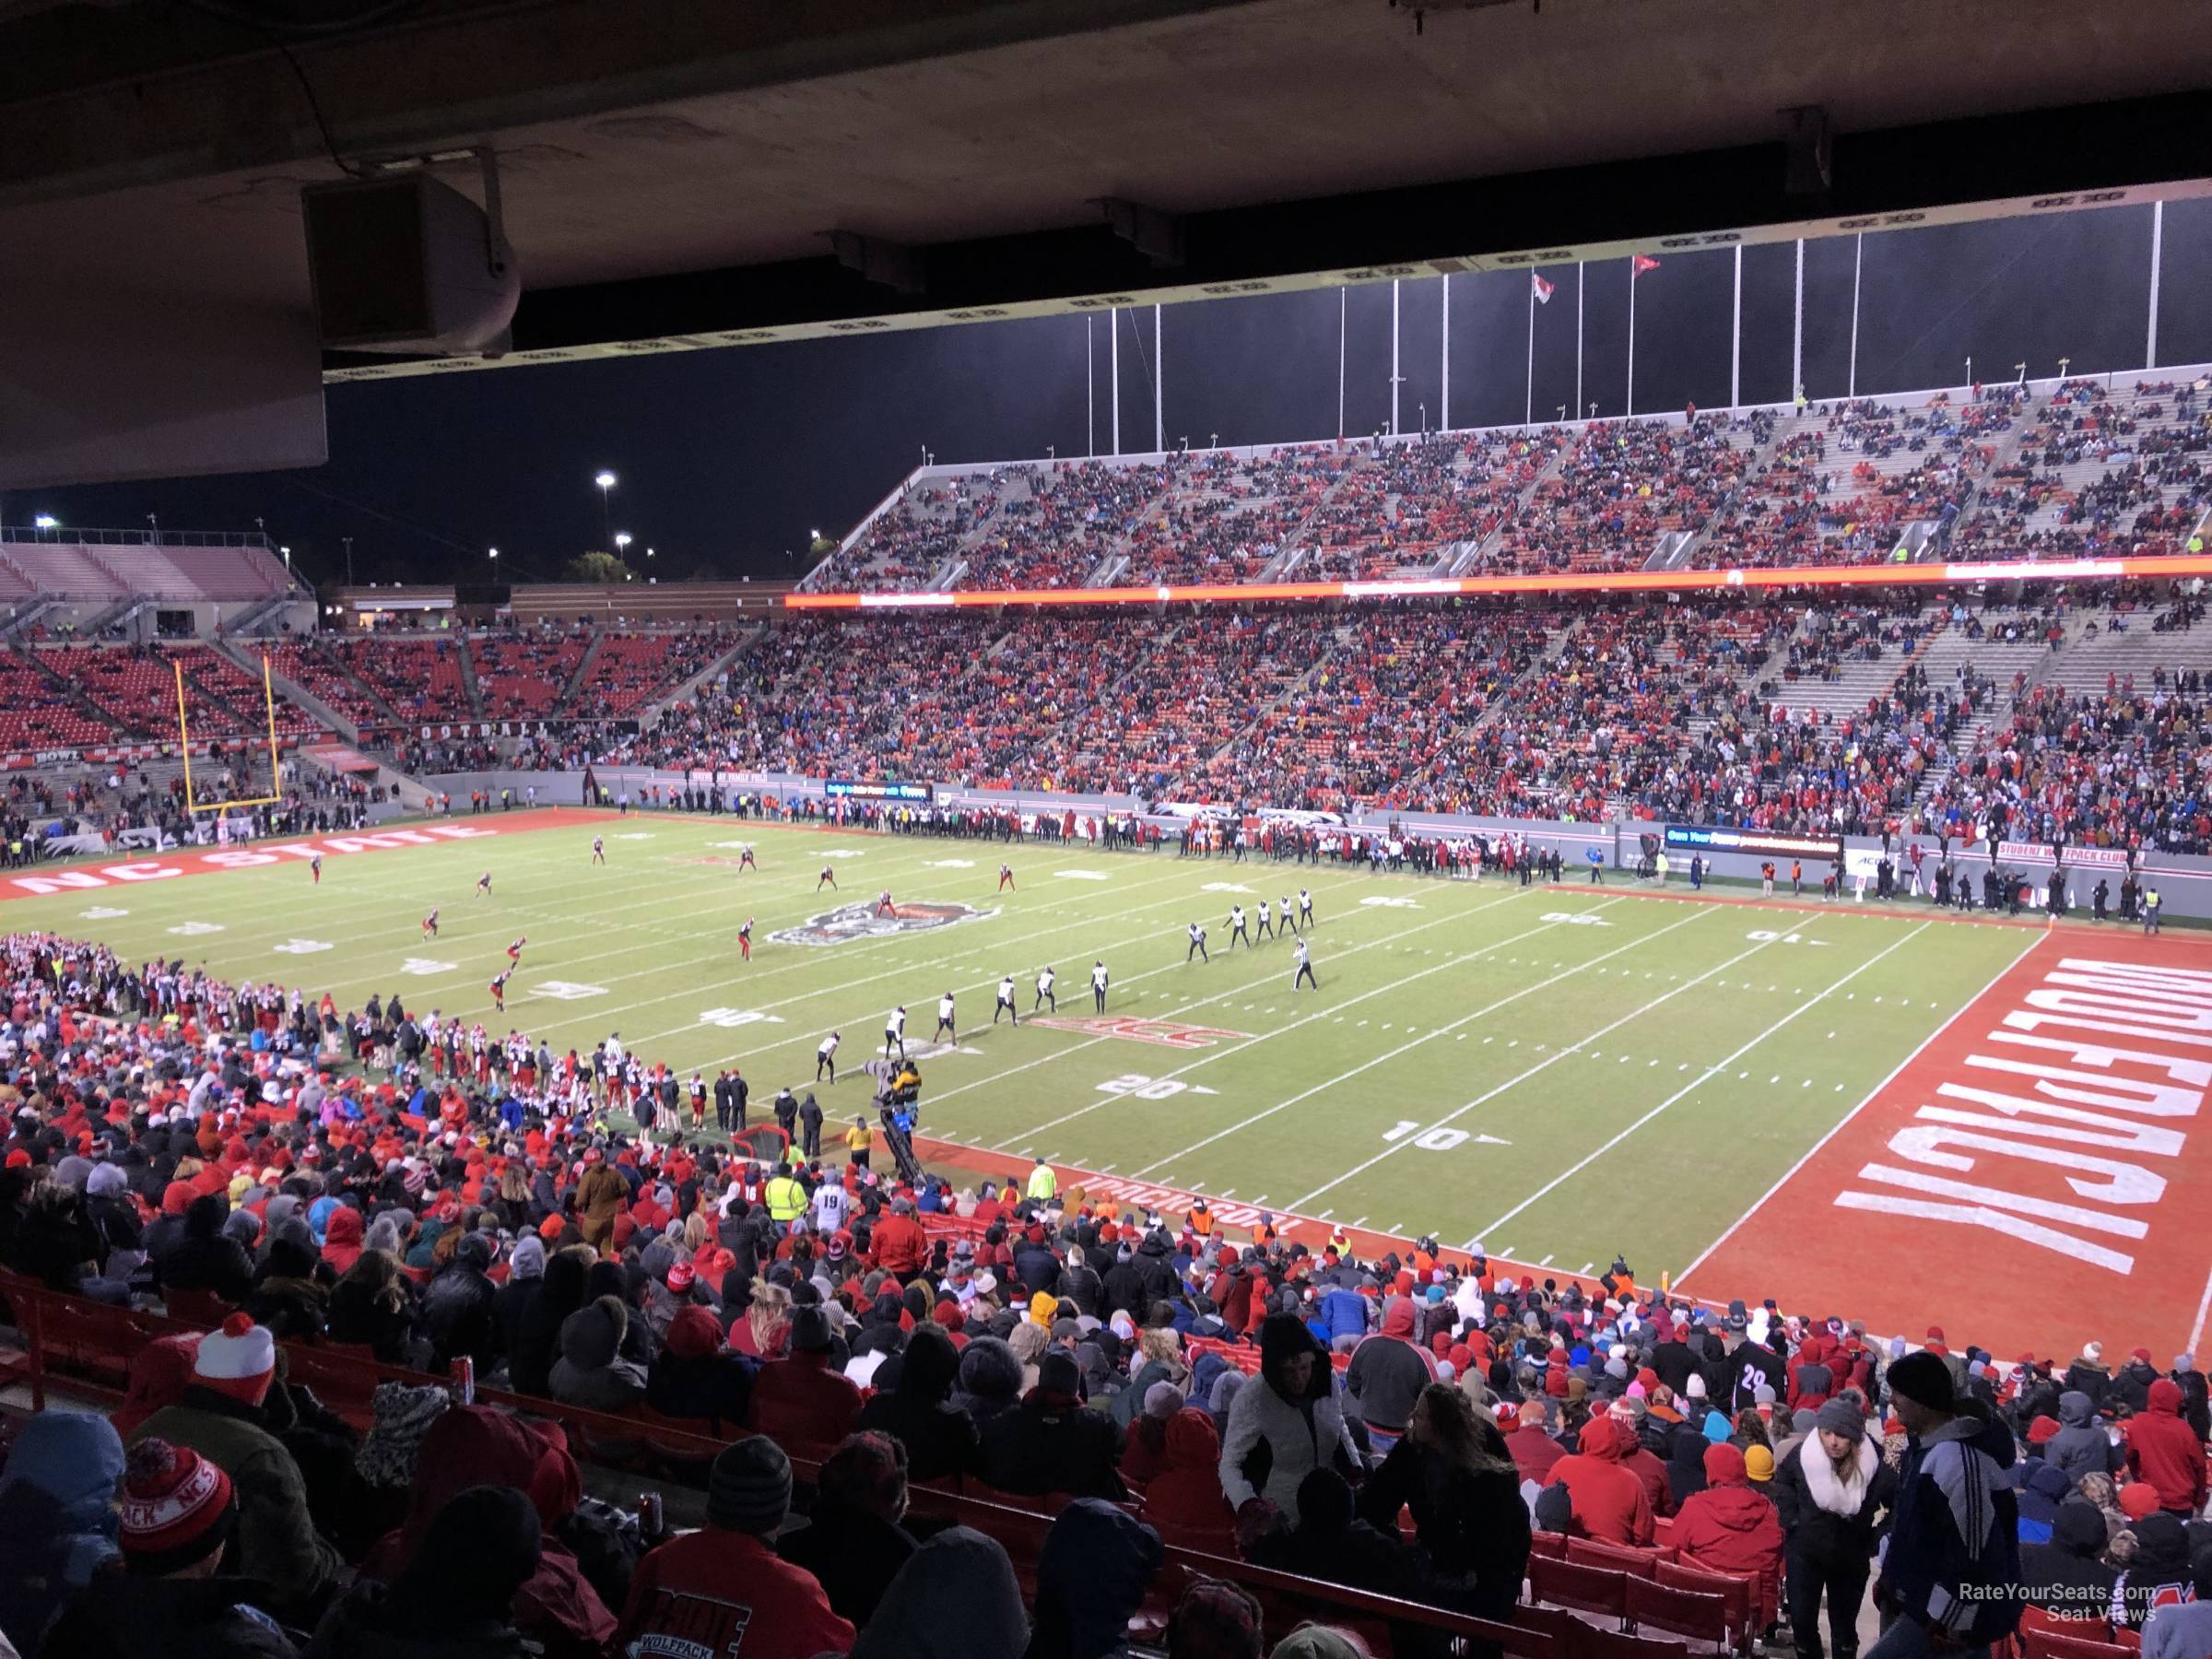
{"x": 785, "y": 1199}
{"x": 1340, "y": 1242}
{"x": 1044, "y": 1185}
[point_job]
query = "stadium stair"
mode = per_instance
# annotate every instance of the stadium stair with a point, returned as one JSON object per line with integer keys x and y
{"x": 469, "y": 677}
{"x": 688, "y": 690}
{"x": 289, "y": 690}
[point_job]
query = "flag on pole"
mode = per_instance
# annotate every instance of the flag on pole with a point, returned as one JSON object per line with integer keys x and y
{"x": 1541, "y": 290}
{"x": 1641, "y": 263}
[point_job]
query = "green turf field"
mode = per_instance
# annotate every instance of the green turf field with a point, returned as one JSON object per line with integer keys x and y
{"x": 1560, "y": 1072}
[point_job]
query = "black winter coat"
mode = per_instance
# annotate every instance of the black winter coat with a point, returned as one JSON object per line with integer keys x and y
{"x": 457, "y": 1317}
{"x": 126, "y": 1618}
{"x": 1034, "y": 1451}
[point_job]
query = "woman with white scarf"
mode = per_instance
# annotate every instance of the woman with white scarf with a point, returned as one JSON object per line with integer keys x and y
{"x": 1832, "y": 1489}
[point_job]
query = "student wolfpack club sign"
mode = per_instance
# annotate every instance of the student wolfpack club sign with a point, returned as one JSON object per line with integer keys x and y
{"x": 237, "y": 858}
{"x": 2048, "y": 1146}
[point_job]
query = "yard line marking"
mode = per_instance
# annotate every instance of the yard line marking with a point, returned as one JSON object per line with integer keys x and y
{"x": 1689, "y": 1088}
{"x": 1491, "y": 1093}
{"x": 1265, "y": 1036}
{"x": 794, "y": 1038}
{"x": 1587, "y": 1267}
{"x": 1403, "y": 1047}
{"x": 1545, "y": 1263}
{"x": 1759, "y": 1203}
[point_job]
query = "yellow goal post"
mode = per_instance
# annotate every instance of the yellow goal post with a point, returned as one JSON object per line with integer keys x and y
{"x": 193, "y": 804}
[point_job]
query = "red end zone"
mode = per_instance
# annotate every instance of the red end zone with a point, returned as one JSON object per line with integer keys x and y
{"x": 201, "y": 860}
{"x": 2032, "y": 1179}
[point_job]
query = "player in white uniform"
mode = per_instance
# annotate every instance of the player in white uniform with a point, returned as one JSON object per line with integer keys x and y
{"x": 1305, "y": 968}
{"x": 1236, "y": 927}
{"x": 1098, "y": 986}
{"x": 944, "y": 1028}
{"x": 894, "y": 1033}
{"x": 1198, "y": 945}
{"x": 1266, "y": 920}
{"x": 825, "y": 1057}
{"x": 1305, "y": 910}
{"x": 1005, "y": 1001}
{"x": 1044, "y": 993}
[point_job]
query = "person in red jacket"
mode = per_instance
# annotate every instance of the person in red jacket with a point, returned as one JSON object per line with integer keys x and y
{"x": 1533, "y": 1450}
{"x": 900, "y": 1245}
{"x": 2164, "y": 1451}
{"x": 711, "y": 1590}
{"x": 1606, "y": 1499}
{"x": 1730, "y": 1528}
{"x": 803, "y": 1398}
{"x": 1186, "y": 1492}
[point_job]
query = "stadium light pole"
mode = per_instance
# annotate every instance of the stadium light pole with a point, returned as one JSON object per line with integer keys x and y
{"x": 2157, "y": 247}
{"x": 605, "y": 480}
{"x": 622, "y": 540}
{"x": 348, "y": 541}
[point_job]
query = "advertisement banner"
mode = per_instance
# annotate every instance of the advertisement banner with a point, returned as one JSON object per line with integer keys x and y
{"x": 1702, "y": 838}
{"x": 858, "y": 791}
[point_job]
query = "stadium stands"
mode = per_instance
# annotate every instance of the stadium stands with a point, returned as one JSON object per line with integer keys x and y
{"x": 112, "y": 565}
{"x": 2052, "y": 470}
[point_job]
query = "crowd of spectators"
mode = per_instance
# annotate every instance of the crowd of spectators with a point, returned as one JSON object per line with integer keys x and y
{"x": 1403, "y": 1422}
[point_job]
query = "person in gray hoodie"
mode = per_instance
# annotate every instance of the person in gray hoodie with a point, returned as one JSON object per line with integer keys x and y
{"x": 2081, "y": 1446}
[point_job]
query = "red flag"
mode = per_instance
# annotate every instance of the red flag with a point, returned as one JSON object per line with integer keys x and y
{"x": 1641, "y": 263}
{"x": 1542, "y": 290}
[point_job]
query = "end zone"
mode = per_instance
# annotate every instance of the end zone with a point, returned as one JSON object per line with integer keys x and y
{"x": 2030, "y": 1178}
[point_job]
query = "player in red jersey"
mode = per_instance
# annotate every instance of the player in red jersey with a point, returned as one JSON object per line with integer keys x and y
{"x": 514, "y": 951}
{"x": 499, "y": 990}
{"x": 429, "y": 925}
{"x": 745, "y": 939}
{"x": 884, "y": 907}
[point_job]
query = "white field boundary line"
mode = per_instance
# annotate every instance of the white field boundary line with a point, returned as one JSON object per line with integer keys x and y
{"x": 1404, "y": 1048}
{"x": 1535, "y": 1069}
{"x": 1132, "y": 979}
{"x": 1241, "y": 989}
{"x": 920, "y": 968}
{"x": 1700, "y": 1080}
{"x": 2204, "y": 1307}
{"x": 1332, "y": 1010}
{"x": 1879, "y": 1089}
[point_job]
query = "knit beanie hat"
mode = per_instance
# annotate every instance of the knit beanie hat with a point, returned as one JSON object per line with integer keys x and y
{"x": 404, "y": 1414}
{"x": 1759, "y": 1464}
{"x": 693, "y": 1333}
{"x": 2138, "y": 1500}
{"x": 1723, "y": 1464}
{"x": 239, "y": 1360}
{"x": 177, "y": 1508}
{"x": 1162, "y": 1400}
{"x": 809, "y": 1331}
{"x": 1695, "y": 1387}
{"x": 749, "y": 1489}
{"x": 1840, "y": 1416}
{"x": 1923, "y": 1379}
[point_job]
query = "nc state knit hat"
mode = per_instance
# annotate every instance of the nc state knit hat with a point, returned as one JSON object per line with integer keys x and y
{"x": 1924, "y": 1379}
{"x": 749, "y": 1489}
{"x": 177, "y": 1508}
{"x": 239, "y": 1360}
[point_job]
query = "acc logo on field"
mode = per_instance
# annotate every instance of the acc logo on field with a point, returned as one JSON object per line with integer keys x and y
{"x": 1391, "y": 901}
{"x": 1575, "y": 917}
{"x": 861, "y": 920}
{"x": 1167, "y": 1033}
{"x": 302, "y": 947}
{"x": 731, "y": 1017}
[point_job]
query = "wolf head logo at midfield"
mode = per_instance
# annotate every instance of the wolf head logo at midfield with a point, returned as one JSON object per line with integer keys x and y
{"x": 861, "y": 920}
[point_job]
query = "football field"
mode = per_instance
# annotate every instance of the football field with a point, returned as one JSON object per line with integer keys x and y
{"x": 1559, "y": 1073}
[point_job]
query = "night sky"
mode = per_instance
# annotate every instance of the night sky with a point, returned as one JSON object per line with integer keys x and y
{"x": 728, "y": 459}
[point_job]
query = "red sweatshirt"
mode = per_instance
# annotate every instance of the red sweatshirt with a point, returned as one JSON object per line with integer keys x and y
{"x": 1607, "y": 1498}
{"x": 709, "y": 1593}
{"x": 2165, "y": 1451}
